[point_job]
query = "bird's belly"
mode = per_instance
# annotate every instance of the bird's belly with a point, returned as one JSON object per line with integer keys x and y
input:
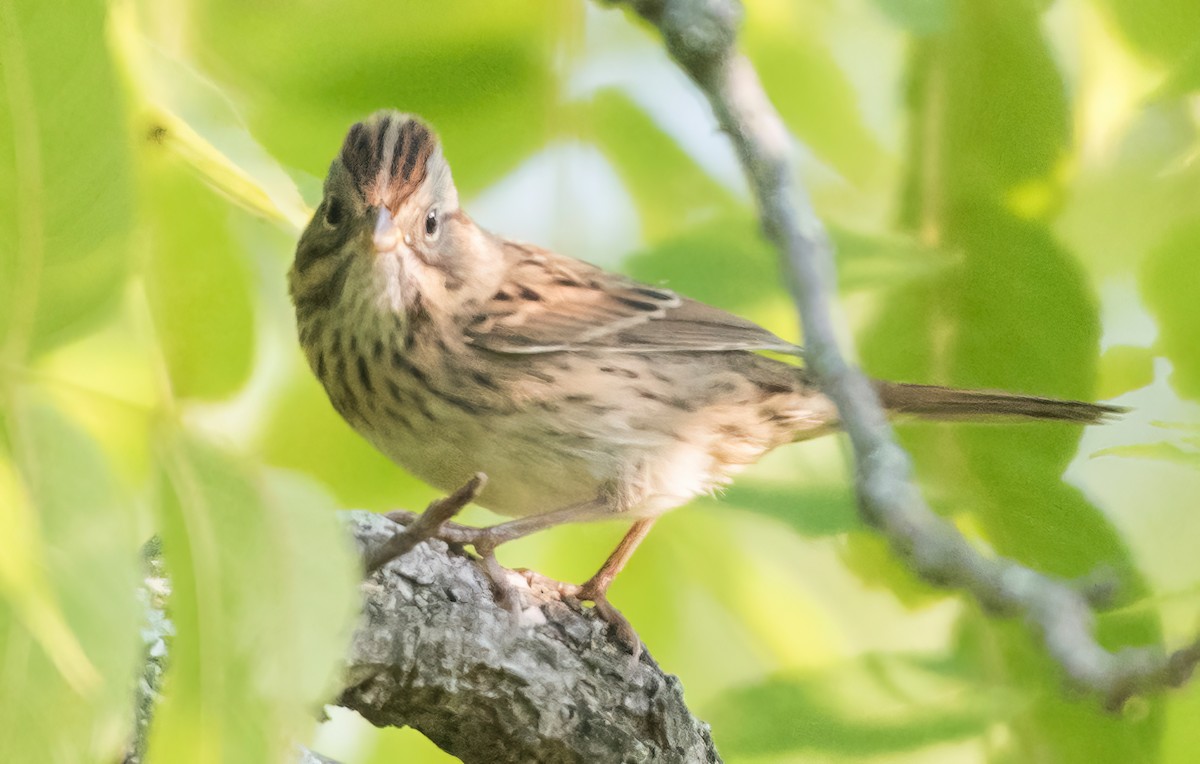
{"x": 527, "y": 473}
{"x": 643, "y": 450}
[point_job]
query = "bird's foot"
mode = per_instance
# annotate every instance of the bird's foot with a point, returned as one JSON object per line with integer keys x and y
{"x": 595, "y": 591}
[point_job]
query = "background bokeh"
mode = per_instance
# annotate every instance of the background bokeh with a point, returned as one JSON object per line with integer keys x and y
{"x": 1014, "y": 190}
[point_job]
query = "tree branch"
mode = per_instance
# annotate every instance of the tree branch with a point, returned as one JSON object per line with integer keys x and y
{"x": 436, "y": 652}
{"x": 701, "y": 36}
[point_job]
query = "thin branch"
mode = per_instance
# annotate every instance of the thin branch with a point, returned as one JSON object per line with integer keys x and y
{"x": 436, "y": 651}
{"x": 701, "y": 36}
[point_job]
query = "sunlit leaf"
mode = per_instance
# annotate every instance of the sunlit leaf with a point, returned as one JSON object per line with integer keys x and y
{"x": 1166, "y": 29}
{"x": 199, "y": 287}
{"x": 724, "y": 262}
{"x": 479, "y": 71}
{"x": 184, "y": 112}
{"x": 68, "y": 616}
{"x": 869, "y": 556}
{"x": 1015, "y": 314}
{"x": 1037, "y": 334}
{"x": 812, "y": 511}
{"x": 65, "y": 204}
{"x": 1124, "y": 368}
{"x": 733, "y": 560}
{"x": 262, "y": 600}
{"x": 797, "y": 69}
{"x": 1185, "y": 78}
{"x": 1046, "y": 319}
{"x": 1181, "y": 737}
{"x": 304, "y": 433}
{"x": 991, "y": 114}
{"x": 672, "y": 192}
{"x": 918, "y": 16}
{"x": 1165, "y": 451}
{"x": 1170, "y": 278}
{"x": 870, "y": 261}
{"x": 1124, "y": 205}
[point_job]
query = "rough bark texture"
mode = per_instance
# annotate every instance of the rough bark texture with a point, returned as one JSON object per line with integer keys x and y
{"x": 436, "y": 652}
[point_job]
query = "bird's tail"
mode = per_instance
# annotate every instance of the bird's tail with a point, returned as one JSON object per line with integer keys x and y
{"x": 934, "y": 402}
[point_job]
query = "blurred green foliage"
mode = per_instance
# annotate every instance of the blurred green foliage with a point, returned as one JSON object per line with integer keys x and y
{"x": 1012, "y": 186}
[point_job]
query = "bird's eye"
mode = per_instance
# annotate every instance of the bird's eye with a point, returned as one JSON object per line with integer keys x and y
{"x": 431, "y": 224}
{"x": 333, "y": 212}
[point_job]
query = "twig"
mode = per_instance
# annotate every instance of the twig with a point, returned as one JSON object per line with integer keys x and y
{"x": 425, "y": 525}
{"x": 701, "y": 36}
{"x": 435, "y": 651}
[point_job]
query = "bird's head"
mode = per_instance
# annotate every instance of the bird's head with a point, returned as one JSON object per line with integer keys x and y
{"x": 388, "y": 234}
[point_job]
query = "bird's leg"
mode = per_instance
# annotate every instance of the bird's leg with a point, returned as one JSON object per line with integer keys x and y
{"x": 595, "y": 589}
{"x": 485, "y": 540}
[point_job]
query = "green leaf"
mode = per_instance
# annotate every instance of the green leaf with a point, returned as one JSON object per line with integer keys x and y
{"x": 68, "y": 615}
{"x": 921, "y": 17}
{"x": 991, "y": 115}
{"x": 866, "y": 261}
{"x": 198, "y": 283}
{"x": 1017, "y": 316}
{"x": 1007, "y": 121}
{"x": 1053, "y": 727}
{"x": 1181, "y": 737}
{"x": 192, "y": 117}
{"x": 263, "y": 600}
{"x": 1169, "y": 281}
{"x": 304, "y": 433}
{"x": 1185, "y": 77}
{"x": 1166, "y": 29}
{"x": 478, "y": 70}
{"x": 811, "y": 511}
{"x": 724, "y": 262}
{"x": 869, "y": 556}
{"x": 1123, "y": 369}
{"x": 1123, "y": 205}
{"x": 671, "y": 191}
{"x": 65, "y": 205}
{"x": 855, "y": 709}
{"x": 788, "y": 45}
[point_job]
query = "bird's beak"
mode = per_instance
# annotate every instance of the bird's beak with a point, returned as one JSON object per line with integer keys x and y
{"x": 386, "y": 235}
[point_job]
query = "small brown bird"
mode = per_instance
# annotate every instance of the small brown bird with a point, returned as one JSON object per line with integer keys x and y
{"x": 581, "y": 394}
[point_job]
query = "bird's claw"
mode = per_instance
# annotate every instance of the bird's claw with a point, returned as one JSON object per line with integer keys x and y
{"x": 596, "y": 594}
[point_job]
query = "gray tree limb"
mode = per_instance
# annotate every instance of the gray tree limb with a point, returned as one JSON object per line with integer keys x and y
{"x": 701, "y": 36}
{"x": 435, "y": 651}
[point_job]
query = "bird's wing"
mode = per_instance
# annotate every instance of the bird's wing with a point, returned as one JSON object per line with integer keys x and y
{"x": 549, "y": 303}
